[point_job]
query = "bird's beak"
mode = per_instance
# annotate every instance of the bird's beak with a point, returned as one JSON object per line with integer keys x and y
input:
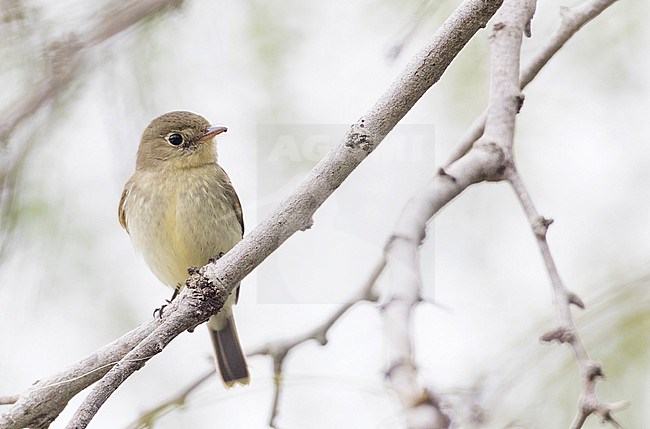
{"x": 212, "y": 131}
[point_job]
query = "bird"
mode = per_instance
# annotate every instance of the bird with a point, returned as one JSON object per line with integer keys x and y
{"x": 181, "y": 210}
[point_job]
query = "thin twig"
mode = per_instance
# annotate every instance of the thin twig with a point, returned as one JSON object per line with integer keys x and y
{"x": 590, "y": 371}
{"x": 572, "y": 20}
{"x": 410, "y": 28}
{"x": 9, "y": 399}
{"x": 499, "y": 127}
{"x": 44, "y": 401}
{"x": 148, "y": 418}
{"x": 279, "y": 350}
{"x": 68, "y": 53}
{"x": 422, "y": 406}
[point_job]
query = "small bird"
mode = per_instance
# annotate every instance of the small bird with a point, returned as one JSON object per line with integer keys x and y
{"x": 181, "y": 210}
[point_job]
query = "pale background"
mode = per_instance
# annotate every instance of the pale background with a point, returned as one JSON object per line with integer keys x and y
{"x": 70, "y": 280}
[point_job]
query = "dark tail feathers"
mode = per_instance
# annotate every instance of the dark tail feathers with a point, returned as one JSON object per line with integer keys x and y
{"x": 228, "y": 354}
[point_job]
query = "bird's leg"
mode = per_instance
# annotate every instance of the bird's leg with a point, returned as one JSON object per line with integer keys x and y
{"x": 159, "y": 311}
{"x": 191, "y": 271}
{"x": 218, "y": 256}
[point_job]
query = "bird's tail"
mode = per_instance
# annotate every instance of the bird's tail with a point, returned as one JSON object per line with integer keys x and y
{"x": 228, "y": 353}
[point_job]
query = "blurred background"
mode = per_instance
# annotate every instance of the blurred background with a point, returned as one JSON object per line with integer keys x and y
{"x": 81, "y": 80}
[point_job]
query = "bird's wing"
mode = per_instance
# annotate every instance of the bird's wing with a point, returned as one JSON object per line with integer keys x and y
{"x": 232, "y": 197}
{"x": 121, "y": 212}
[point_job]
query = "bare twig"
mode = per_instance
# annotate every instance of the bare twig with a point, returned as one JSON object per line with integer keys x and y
{"x": 9, "y": 399}
{"x": 148, "y": 418}
{"x": 206, "y": 290}
{"x": 499, "y": 127}
{"x": 422, "y": 11}
{"x": 65, "y": 58}
{"x": 572, "y": 20}
{"x": 279, "y": 350}
{"x": 45, "y": 400}
{"x": 590, "y": 371}
{"x": 67, "y": 54}
{"x": 422, "y": 406}
{"x": 512, "y": 22}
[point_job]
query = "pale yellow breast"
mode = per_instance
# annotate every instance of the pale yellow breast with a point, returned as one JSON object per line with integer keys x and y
{"x": 179, "y": 219}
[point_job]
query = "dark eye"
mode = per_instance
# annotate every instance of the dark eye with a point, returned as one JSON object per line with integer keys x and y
{"x": 175, "y": 139}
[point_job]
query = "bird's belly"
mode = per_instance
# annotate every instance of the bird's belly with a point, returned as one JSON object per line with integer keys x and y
{"x": 184, "y": 229}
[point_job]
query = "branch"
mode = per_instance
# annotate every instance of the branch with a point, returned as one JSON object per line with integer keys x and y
{"x": 572, "y": 20}
{"x": 66, "y": 55}
{"x": 9, "y": 399}
{"x": 512, "y": 22}
{"x": 45, "y": 400}
{"x": 200, "y": 299}
{"x": 65, "y": 58}
{"x": 279, "y": 350}
{"x": 505, "y": 57}
{"x": 422, "y": 406}
{"x": 590, "y": 371}
{"x": 148, "y": 418}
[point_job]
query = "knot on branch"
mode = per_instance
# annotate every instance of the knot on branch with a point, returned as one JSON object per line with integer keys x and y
{"x": 593, "y": 371}
{"x": 540, "y": 226}
{"x": 561, "y": 335}
{"x": 442, "y": 173}
{"x": 358, "y": 138}
{"x": 320, "y": 336}
{"x": 404, "y": 364}
{"x": 520, "y": 101}
{"x": 205, "y": 296}
{"x": 574, "y": 299}
{"x": 591, "y": 405}
{"x": 409, "y": 239}
{"x": 496, "y": 161}
{"x": 307, "y": 224}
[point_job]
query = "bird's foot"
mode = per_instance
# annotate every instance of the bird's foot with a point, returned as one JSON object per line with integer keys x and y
{"x": 216, "y": 258}
{"x": 158, "y": 312}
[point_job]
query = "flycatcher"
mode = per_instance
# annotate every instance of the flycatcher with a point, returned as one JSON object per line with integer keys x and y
{"x": 180, "y": 210}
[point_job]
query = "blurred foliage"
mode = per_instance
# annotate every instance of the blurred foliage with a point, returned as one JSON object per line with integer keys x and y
{"x": 538, "y": 387}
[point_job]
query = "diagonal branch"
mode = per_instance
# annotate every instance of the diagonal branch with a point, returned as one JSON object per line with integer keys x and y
{"x": 512, "y": 22}
{"x": 488, "y": 159}
{"x": 590, "y": 371}
{"x": 572, "y": 20}
{"x": 280, "y": 350}
{"x": 148, "y": 418}
{"x": 45, "y": 400}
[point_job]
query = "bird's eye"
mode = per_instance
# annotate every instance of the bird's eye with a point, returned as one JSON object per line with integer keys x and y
{"x": 175, "y": 139}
